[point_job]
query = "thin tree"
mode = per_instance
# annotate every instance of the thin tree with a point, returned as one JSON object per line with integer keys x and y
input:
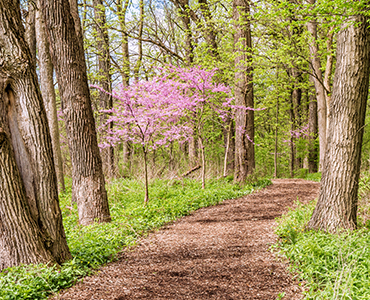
{"x": 104, "y": 77}
{"x": 244, "y": 119}
{"x": 88, "y": 185}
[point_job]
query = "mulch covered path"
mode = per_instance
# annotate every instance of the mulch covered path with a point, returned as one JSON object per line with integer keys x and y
{"x": 219, "y": 252}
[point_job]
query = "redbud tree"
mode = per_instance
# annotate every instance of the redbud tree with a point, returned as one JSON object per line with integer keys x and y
{"x": 173, "y": 106}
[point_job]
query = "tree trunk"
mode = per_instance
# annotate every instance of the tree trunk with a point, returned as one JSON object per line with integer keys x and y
{"x": 210, "y": 33}
{"x": 77, "y": 22}
{"x": 30, "y": 30}
{"x": 201, "y": 145}
{"x": 276, "y": 140}
{"x": 26, "y": 154}
{"x": 21, "y": 241}
{"x": 313, "y": 154}
{"x": 146, "y": 199}
{"x": 292, "y": 128}
{"x": 48, "y": 95}
{"x": 337, "y": 204}
{"x": 105, "y": 80}
{"x": 183, "y": 10}
{"x": 140, "y": 42}
{"x": 319, "y": 87}
{"x": 297, "y": 119}
{"x": 244, "y": 120}
{"x": 229, "y": 147}
{"x": 125, "y": 69}
{"x": 69, "y": 61}
{"x": 122, "y": 10}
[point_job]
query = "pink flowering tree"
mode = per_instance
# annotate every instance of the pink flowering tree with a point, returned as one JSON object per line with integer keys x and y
{"x": 148, "y": 113}
{"x": 173, "y": 106}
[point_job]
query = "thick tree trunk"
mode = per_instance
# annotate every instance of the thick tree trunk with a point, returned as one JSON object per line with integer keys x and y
{"x": 105, "y": 80}
{"x": 313, "y": 154}
{"x": 24, "y": 125}
{"x": 48, "y": 95}
{"x": 69, "y": 61}
{"x": 337, "y": 204}
{"x": 244, "y": 120}
{"x": 21, "y": 241}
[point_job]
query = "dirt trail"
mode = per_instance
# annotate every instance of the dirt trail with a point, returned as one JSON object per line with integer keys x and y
{"x": 219, "y": 252}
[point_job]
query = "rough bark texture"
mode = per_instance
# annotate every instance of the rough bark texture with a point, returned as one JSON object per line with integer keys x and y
{"x": 30, "y": 29}
{"x": 20, "y": 238}
{"x": 105, "y": 80}
{"x": 319, "y": 87}
{"x": 77, "y": 22}
{"x": 313, "y": 154}
{"x": 69, "y": 61}
{"x": 24, "y": 122}
{"x": 337, "y": 204}
{"x": 48, "y": 94}
{"x": 244, "y": 120}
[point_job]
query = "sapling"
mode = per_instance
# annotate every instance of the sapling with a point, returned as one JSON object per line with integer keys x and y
{"x": 173, "y": 106}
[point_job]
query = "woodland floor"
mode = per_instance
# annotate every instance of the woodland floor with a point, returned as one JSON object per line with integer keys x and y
{"x": 219, "y": 252}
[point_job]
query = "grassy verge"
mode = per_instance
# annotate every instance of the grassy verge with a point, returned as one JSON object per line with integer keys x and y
{"x": 331, "y": 266}
{"x": 94, "y": 245}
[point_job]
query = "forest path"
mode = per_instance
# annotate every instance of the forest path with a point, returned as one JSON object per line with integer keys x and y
{"x": 219, "y": 252}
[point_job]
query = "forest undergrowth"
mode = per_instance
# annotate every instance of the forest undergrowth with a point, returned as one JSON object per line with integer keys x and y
{"x": 95, "y": 245}
{"x": 329, "y": 266}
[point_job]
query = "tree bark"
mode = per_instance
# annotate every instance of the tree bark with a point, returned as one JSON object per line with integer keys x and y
{"x": 26, "y": 147}
{"x": 105, "y": 79}
{"x": 69, "y": 61}
{"x": 337, "y": 204}
{"x": 21, "y": 241}
{"x": 48, "y": 94}
{"x": 244, "y": 120}
{"x": 30, "y": 29}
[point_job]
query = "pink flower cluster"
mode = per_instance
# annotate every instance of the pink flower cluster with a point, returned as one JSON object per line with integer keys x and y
{"x": 157, "y": 112}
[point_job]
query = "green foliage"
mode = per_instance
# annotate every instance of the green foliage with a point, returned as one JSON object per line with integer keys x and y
{"x": 331, "y": 266}
{"x": 313, "y": 176}
{"x": 94, "y": 245}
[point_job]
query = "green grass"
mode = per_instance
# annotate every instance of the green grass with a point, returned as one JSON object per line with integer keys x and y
{"x": 331, "y": 266}
{"x": 97, "y": 244}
